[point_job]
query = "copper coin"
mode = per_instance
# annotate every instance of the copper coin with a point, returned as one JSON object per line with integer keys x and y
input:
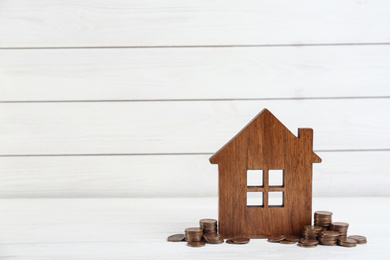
{"x": 347, "y": 241}
{"x": 193, "y": 229}
{"x": 312, "y": 228}
{"x": 229, "y": 241}
{"x": 340, "y": 224}
{"x": 323, "y": 213}
{"x": 359, "y": 239}
{"x": 309, "y": 241}
{"x": 196, "y": 244}
{"x": 176, "y": 238}
{"x": 240, "y": 240}
{"x": 306, "y": 246}
{"x": 211, "y": 235}
{"x": 276, "y": 238}
{"x": 330, "y": 233}
{"x": 216, "y": 241}
{"x": 208, "y": 221}
{"x": 213, "y": 238}
{"x": 329, "y": 244}
{"x": 292, "y": 238}
{"x": 287, "y": 242}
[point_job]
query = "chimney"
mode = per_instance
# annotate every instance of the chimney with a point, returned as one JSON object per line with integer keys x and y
{"x": 306, "y": 135}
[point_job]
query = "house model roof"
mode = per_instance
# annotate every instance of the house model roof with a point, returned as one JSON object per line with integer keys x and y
{"x": 260, "y": 119}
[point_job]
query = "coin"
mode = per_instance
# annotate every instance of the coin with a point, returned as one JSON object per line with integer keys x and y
{"x": 323, "y": 213}
{"x": 208, "y": 225}
{"x": 196, "y": 244}
{"x": 340, "y": 227}
{"x": 277, "y": 238}
{"x": 287, "y": 242}
{"x": 229, "y": 241}
{"x": 347, "y": 242}
{"x": 330, "y": 233}
{"x": 292, "y": 238}
{"x": 193, "y": 234}
{"x": 240, "y": 240}
{"x": 359, "y": 239}
{"x": 213, "y": 238}
{"x": 306, "y": 246}
{"x": 308, "y": 241}
{"x": 176, "y": 238}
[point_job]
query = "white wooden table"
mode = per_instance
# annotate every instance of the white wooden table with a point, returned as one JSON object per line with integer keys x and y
{"x": 138, "y": 228}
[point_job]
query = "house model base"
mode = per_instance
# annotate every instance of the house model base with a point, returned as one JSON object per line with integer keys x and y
{"x": 265, "y": 180}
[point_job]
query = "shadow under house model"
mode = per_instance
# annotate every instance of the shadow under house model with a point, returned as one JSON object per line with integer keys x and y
{"x": 265, "y": 180}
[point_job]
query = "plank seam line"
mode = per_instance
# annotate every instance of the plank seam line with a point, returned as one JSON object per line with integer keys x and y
{"x": 197, "y": 46}
{"x": 170, "y": 154}
{"x": 187, "y": 100}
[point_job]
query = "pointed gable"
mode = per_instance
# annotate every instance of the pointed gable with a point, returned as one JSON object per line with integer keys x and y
{"x": 261, "y": 136}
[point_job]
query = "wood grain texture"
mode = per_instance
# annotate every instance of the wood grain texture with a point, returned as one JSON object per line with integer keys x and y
{"x": 88, "y": 23}
{"x": 173, "y": 176}
{"x": 177, "y": 127}
{"x": 265, "y": 144}
{"x": 100, "y": 229}
{"x": 195, "y": 73}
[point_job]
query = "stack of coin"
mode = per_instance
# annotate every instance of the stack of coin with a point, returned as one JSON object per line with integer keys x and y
{"x": 328, "y": 238}
{"x": 208, "y": 225}
{"x": 308, "y": 243}
{"x": 323, "y": 219}
{"x": 311, "y": 232}
{"x": 213, "y": 238}
{"x": 340, "y": 227}
{"x": 347, "y": 242}
{"x": 359, "y": 239}
{"x": 194, "y": 234}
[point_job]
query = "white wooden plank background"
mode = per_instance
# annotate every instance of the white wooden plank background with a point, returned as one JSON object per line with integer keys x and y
{"x": 59, "y": 229}
{"x": 173, "y": 176}
{"x": 48, "y": 23}
{"x": 178, "y": 79}
{"x": 195, "y": 73}
{"x": 189, "y": 127}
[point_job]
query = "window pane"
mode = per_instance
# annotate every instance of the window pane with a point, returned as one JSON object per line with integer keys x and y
{"x": 276, "y": 199}
{"x": 255, "y": 178}
{"x": 276, "y": 178}
{"x": 254, "y": 199}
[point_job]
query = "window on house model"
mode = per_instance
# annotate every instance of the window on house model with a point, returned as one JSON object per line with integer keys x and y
{"x": 265, "y": 188}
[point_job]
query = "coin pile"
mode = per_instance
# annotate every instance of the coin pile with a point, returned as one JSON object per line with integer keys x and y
{"x": 328, "y": 238}
{"x": 311, "y": 232}
{"x": 347, "y": 242}
{"x": 197, "y": 236}
{"x": 208, "y": 225}
{"x": 213, "y": 238}
{"x": 340, "y": 227}
{"x": 323, "y": 219}
{"x": 194, "y": 234}
{"x": 359, "y": 239}
{"x": 308, "y": 243}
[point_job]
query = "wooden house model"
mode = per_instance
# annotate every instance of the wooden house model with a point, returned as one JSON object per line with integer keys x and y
{"x": 265, "y": 180}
